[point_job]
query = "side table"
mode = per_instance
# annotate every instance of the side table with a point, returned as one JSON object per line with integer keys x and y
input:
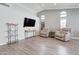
{"x": 51, "y": 34}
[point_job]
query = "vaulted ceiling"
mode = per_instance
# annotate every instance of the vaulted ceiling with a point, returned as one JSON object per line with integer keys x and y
{"x": 37, "y": 7}
{"x": 44, "y": 6}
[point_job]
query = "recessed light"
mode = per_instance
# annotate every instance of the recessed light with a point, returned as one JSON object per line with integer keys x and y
{"x": 54, "y": 3}
{"x": 42, "y": 4}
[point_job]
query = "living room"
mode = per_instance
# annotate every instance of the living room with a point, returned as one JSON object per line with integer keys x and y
{"x": 44, "y": 37}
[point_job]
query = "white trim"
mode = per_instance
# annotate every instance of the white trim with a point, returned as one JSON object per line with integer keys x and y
{"x": 3, "y": 44}
{"x": 74, "y": 37}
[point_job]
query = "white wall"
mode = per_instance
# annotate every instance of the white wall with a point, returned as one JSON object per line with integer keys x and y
{"x": 14, "y": 14}
{"x": 73, "y": 21}
{"x": 53, "y": 20}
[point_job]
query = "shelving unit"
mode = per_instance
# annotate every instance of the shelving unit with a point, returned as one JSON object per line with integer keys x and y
{"x": 12, "y": 33}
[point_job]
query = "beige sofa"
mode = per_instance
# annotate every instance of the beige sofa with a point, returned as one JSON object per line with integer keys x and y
{"x": 63, "y": 34}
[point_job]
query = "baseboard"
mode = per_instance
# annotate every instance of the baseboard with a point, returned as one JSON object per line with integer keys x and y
{"x": 3, "y": 43}
{"x": 18, "y": 40}
{"x": 31, "y": 37}
{"x": 74, "y": 38}
{"x": 37, "y": 35}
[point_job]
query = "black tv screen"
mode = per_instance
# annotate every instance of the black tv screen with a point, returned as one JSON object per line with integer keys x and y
{"x": 29, "y": 22}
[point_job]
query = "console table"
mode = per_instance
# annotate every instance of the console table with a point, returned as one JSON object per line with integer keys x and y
{"x": 27, "y": 33}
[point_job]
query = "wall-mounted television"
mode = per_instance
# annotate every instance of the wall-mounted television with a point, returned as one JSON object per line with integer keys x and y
{"x": 29, "y": 22}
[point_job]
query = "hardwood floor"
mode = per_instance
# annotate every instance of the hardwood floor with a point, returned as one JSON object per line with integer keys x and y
{"x": 41, "y": 46}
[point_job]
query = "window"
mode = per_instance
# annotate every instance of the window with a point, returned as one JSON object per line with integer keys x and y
{"x": 42, "y": 21}
{"x": 63, "y": 16}
{"x": 42, "y": 18}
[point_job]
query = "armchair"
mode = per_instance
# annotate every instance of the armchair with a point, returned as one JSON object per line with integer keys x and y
{"x": 44, "y": 32}
{"x": 63, "y": 34}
